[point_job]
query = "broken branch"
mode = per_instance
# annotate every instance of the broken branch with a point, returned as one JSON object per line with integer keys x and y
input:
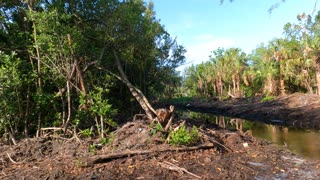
{"x": 112, "y": 156}
{"x": 173, "y": 167}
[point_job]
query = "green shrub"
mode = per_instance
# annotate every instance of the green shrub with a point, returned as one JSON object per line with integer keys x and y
{"x": 92, "y": 149}
{"x": 194, "y": 133}
{"x": 155, "y": 128}
{"x": 268, "y": 98}
{"x": 104, "y": 141}
{"x": 183, "y": 136}
{"x": 86, "y": 133}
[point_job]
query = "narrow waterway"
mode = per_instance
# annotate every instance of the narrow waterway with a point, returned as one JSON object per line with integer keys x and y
{"x": 300, "y": 141}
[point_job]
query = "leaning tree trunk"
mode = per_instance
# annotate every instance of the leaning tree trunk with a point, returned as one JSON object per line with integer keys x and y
{"x": 136, "y": 93}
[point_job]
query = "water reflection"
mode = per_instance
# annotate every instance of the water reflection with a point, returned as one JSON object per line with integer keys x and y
{"x": 303, "y": 142}
{"x": 300, "y": 141}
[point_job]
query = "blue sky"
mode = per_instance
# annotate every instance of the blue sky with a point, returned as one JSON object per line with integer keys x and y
{"x": 204, "y": 25}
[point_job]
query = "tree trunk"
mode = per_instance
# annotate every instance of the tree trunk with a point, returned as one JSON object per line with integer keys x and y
{"x": 80, "y": 74}
{"x": 234, "y": 84}
{"x": 39, "y": 81}
{"x": 102, "y": 127}
{"x": 69, "y": 107}
{"x": 316, "y": 65}
{"x": 238, "y": 83}
{"x": 220, "y": 85}
{"x": 281, "y": 79}
{"x": 136, "y": 93}
{"x": 318, "y": 80}
{"x": 214, "y": 88}
{"x": 26, "y": 123}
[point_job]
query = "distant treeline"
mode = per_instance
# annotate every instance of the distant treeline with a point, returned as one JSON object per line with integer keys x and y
{"x": 284, "y": 65}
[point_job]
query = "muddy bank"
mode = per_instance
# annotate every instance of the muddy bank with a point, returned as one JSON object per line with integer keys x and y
{"x": 297, "y": 110}
{"x": 136, "y": 152}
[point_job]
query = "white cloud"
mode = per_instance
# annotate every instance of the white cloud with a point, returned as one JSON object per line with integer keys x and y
{"x": 202, "y": 46}
{"x": 199, "y": 49}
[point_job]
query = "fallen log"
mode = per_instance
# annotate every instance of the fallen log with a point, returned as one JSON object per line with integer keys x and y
{"x": 109, "y": 157}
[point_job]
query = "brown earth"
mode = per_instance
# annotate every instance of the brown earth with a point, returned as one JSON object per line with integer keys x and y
{"x": 137, "y": 152}
{"x": 297, "y": 110}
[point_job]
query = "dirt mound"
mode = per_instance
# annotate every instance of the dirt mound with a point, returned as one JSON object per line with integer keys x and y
{"x": 136, "y": 152}
{"x": 297, "y": 110}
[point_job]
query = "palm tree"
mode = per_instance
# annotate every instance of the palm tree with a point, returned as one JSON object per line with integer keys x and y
{"x": 310, "y": 36}
{"x": 263, "y": 70}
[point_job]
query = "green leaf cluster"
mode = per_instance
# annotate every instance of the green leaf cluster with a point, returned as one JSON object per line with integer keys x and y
{"x": 183, "y": 136}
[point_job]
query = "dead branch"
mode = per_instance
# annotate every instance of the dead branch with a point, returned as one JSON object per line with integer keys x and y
{"x": 231, "y": 95}
{"x": 14, "y": 162}
{"x": 171, "y": 118}
{"x": 88, "y": 65}
{"x": 51, "y": 128}
{"x": 113, "y": 156}
{"x": 174, "y": 167}
{"x": 227, "y": 148}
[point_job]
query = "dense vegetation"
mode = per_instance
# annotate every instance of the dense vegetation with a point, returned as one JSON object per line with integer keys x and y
{"x": 80, "y": 64}
{"x": 284, "y": 65}
{"x": 60, "y": 60}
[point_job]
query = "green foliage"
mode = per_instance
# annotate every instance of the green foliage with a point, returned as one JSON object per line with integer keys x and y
{"x": 155, "y": 128}
{"x": 267, "y": 98}
{"x": 183, "y": 136}
{"x": 92, "y": 149}
{"x": 110, "y": 139}
{"x": 194, "y": 133}
{"x": 86, "y": 133}
{"x": 99, "y": 105}
{"x": 104, "y": 141}
{"x": 10, "y": 87}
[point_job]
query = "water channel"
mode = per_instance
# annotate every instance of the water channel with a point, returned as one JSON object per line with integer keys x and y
{"x": 299, "y": 141}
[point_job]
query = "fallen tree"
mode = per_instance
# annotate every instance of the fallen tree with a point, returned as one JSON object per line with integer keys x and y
{"x": 163, "y": 116}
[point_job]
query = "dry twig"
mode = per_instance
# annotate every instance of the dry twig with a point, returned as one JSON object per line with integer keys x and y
{"x": 171, "y": 118}
{"x": 173, "y": 167}
{"x": 14, "y": 162}
{"x": 227, "y": 148}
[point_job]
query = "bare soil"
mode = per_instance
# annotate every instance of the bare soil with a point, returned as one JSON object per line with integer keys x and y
{"x": 136, "y": 152}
